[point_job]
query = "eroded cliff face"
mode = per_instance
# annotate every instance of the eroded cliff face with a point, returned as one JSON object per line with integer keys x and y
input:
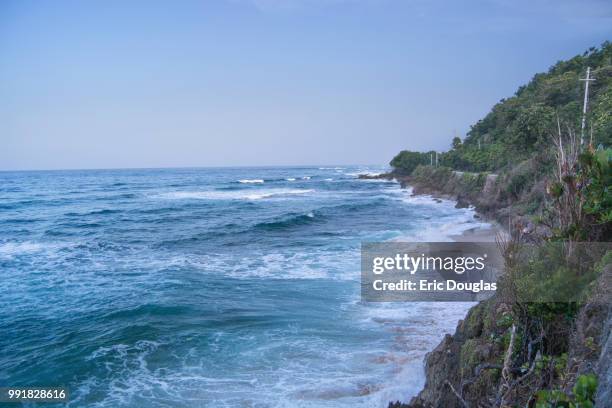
{"x": 604, "y": 369}
{"x": 465, "y": 363}
{"x": 465, "y": 369}
{"x": 491, "y": 195}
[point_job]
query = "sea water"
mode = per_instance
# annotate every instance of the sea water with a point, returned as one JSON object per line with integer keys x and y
{"x": 225, "y": 287}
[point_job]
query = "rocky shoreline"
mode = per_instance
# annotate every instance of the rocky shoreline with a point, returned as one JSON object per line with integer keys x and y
{"x": 485, "y": 199}
{"x": 464, "y": 369}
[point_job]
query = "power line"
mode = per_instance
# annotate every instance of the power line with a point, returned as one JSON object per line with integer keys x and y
{"x": 587, "y": 81}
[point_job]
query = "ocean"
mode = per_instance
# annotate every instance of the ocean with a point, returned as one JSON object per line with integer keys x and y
{"x": 212, "y": 287}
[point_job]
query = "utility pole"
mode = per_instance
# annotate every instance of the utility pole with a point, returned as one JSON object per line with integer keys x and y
{"x": 586, "y": 80}
{"x": 436, "y": 159}
{"x": 431, "y": 159}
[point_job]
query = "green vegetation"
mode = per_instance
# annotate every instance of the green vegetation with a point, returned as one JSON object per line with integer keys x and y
{"x": 517, "y": 140}
{"x": 597, "y": 179}
{"x": 536, "y": 342}
{"x": 581, "y": 200}
{"x": 583, "y": 395}
{"x": 550, "y": 282}
{"x": 519, "y": 127}
{"x": 406, "y": 161}
{"x": 448, "y": 181}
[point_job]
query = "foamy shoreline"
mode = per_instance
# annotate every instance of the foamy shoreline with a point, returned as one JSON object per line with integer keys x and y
{"x": 487, "y": 231}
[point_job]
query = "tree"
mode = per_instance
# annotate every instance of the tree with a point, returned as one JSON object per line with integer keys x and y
{"x": 456, "y": 142}
{"x": 406, "y": 161}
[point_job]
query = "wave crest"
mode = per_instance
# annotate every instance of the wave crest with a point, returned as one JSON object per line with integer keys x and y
{"x": 232, "y": 195}
{"x": 294, "y": 220}
{"x": 251, "y": 181}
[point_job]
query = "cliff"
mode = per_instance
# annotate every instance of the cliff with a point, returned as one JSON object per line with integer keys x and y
{"x": 524, "y": 166}
{"x": 465, "y": 369}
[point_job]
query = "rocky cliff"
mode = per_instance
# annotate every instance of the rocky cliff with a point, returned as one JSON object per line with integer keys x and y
{"x": 477, "y": 365}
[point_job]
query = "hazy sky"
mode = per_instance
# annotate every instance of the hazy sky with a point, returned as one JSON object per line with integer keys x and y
{"x": 107, "y": 84}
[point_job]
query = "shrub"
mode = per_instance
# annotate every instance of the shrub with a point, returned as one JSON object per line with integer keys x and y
{"x": 406, "y": 161}
{"x": 583, "y": 395}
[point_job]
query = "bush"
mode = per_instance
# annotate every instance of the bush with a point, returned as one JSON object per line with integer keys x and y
{"x": 406, "y": 161}
{"x": 584, "y": 395}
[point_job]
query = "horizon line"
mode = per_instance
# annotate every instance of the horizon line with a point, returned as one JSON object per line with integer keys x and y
{"x": 190, "y": 167}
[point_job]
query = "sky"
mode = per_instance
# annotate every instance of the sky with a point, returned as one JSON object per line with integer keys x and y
{"x": 115, "y": 84}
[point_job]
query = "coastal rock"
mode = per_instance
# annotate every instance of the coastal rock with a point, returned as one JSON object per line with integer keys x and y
{"x": 462, "y": 202}
{"x": 469, "y": 360}
{"x": 465, "y": 368}
{"x": 455, "y": 359}
{"x": 604, "y": 365}
{"x": 604, "y": 390}
{"x": 489, "y": 186}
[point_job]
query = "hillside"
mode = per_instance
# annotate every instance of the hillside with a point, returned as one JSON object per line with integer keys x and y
{"x": 521, "y": 126}
{"x": 543, "y": 339}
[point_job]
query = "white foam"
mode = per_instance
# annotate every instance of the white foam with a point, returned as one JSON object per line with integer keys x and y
{"x": 8, "y": 250}
{"x": 306, "y": 178}
{"x": 231, "y": 195}
{"x": 290, "y": 179}
{"x": 251, "y": 181}
{"x": 447, "y": 222}
{"x": 378, "y": 180}
{"x": 16, "y": 248}
{"x": 417, "y": 327}
{"x": 319, "y": 265}
{"x": 365, "y": 173}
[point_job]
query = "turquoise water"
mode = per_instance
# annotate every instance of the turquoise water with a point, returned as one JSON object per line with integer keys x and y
{"x": 211, "y": 287}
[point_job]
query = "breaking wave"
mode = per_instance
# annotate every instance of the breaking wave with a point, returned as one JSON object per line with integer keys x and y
{"x": 232, "y": 195}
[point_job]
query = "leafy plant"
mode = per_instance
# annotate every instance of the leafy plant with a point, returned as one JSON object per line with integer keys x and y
{"x": 583, "y": 395}
{"x": 406, "y": 161}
